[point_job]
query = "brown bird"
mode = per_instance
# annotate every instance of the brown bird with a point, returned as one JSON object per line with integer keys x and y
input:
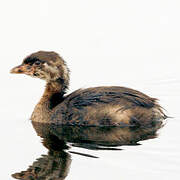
{"x": 98, "y": 106}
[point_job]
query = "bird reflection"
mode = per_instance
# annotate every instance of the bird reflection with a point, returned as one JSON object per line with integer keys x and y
{"x": 89, "y": 137}
{"x": 54, "y": 165}
{"x": 58, "y": 139}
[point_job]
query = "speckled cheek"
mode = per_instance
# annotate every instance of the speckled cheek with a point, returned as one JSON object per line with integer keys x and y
{"x": 52, "y": 73}
{"x": 30, "y": 71}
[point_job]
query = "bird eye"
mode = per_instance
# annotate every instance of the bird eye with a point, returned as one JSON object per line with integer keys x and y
{"x": 37, "y": 62}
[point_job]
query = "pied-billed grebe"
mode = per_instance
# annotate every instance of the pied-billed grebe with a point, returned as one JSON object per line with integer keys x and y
{"x": 106, "y": 106}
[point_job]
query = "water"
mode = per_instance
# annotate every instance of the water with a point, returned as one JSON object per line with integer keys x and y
{"x": 152, "y": 159}
{"x": 157, "y": 158}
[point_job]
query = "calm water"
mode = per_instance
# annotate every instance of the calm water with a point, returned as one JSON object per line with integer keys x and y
{"x": 157, "y": 158}
{"x": 153, "y": 159}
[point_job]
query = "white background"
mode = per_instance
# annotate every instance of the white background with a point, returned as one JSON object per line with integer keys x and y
{"x": 133, "y": 43}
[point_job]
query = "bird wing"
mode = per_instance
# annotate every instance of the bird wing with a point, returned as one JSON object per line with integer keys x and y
{"x": 91, "y": 96}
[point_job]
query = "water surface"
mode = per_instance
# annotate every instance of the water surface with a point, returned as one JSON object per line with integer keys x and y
{"x": 154, "y": 158}
{"x": 151, "y": 159}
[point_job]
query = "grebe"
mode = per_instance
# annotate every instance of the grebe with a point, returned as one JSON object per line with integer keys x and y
{"x": 97, "y": 106}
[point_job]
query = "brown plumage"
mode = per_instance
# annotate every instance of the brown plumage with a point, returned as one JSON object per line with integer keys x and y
{"x": 98, "y": 106}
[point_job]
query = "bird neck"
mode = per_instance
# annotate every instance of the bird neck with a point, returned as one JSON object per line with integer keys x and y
{"x": 52, "y": 88}
{"x": 53, "y": 95}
